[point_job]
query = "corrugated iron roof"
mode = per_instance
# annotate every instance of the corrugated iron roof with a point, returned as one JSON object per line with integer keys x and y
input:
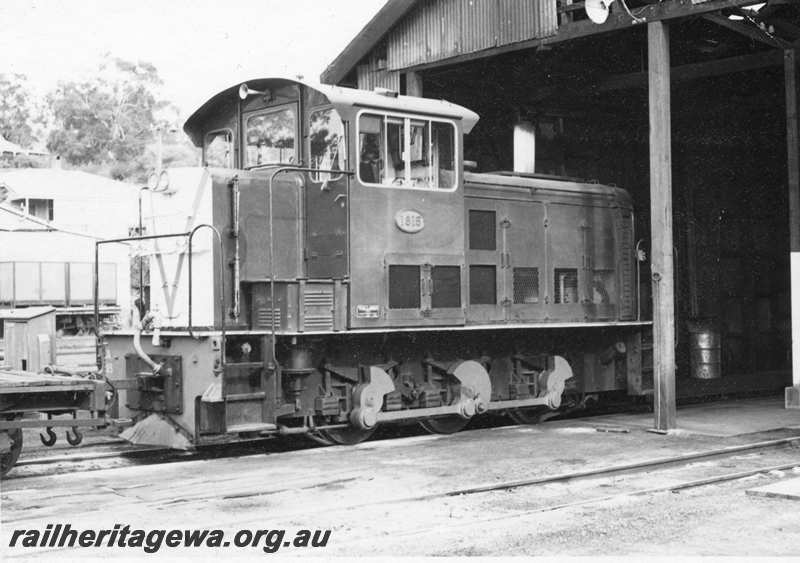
{"x": 365, "y": 40}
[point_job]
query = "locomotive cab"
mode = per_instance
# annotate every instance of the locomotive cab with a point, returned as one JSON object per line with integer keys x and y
{"x": 368, "y": 192}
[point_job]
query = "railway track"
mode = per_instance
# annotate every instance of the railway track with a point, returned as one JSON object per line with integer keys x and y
{"x": 505, "y": 504}
{"x": 121, "y": 454}
{"x": 87, "y": 459}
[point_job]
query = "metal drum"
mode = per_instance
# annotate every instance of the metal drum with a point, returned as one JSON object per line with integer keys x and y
{"x": 705, "y": 351}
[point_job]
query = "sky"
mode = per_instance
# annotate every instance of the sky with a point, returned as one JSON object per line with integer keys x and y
{"x": 198, "y": 46}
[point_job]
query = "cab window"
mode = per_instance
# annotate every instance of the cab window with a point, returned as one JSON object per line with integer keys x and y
{"x": 406, "y": 152}
{"x": 270, "y": 137}
{"x": 219, "y": 149}
{"x": 326, "y": 143}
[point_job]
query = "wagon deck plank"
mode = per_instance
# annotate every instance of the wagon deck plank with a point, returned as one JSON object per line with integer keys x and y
{"x": 13, "y": 381}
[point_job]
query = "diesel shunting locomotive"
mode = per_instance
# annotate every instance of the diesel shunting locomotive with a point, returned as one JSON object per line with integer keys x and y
{"x": 333, "y": 267}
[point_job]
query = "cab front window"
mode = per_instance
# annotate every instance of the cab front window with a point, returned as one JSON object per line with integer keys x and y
{"x": 406, "y": 152}
{"x": 270, "y": 137}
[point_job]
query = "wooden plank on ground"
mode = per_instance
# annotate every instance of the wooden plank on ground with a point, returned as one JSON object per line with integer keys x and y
{"x": 788, "y": 489}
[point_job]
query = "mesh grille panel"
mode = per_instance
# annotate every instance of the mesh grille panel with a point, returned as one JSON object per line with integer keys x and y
{"x": 526, "y": 285}
{"x": 446, "y": 290}
{"x": 404, "y": 287}
{"x": 482, "y": 230}
{"x": 566, "y": 285}
{"x": 482, "y": 285}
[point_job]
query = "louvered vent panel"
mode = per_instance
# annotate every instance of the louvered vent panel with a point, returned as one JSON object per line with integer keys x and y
{"x": 264, "y": 317}
{"x": 627, "y": 273}
{"x": 318, "y": 310}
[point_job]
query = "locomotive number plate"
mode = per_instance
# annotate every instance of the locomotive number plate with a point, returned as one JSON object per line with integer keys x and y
{"x": 409, "y": 221}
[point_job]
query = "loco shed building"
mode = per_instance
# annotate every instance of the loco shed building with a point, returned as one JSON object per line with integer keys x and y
{"x": 691, "y": 105}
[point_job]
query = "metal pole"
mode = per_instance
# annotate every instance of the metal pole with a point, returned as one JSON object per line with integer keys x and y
{"x": 143, "y": 306}
{"x": 221, "y": 282}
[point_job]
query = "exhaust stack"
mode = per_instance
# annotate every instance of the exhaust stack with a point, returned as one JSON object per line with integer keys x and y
{"x": 524, "y": 147}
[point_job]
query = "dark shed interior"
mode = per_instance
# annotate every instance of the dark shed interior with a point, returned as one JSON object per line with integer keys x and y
{"x": 588, "y": 99}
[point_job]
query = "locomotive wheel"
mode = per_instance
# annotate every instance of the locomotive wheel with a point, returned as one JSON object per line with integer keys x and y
{"x": 9, "y": 458}
{"x": 344, "y": 436}
{"x": 445, "y": 424}
{"x": 527, "y": 416}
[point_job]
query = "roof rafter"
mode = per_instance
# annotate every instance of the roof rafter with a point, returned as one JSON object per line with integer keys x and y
{"x": 747, "y": 30}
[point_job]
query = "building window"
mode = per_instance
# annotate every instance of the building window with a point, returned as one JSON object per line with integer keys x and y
{"x": 270, "y": 137}
{"x": 40, "y": 208}
{"x": 406, "y": 152}
{"x": 219, "y": 149}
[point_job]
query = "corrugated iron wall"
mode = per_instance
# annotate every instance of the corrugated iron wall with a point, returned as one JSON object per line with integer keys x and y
{"x": 439, "y": 29}
{"x": 370, "y": 78}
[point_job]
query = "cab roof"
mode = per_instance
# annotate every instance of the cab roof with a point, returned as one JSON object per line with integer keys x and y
{"x": 340, "y": 96}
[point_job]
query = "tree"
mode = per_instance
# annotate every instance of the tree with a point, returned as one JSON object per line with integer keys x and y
{"x": 107, "y": 120}
{"x": 17, "y": 110}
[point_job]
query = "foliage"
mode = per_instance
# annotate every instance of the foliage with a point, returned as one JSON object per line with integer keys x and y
{"x": 109, "y": 119}
{"x": 18, "y": 113}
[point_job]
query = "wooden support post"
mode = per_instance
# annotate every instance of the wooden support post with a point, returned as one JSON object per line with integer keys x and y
{"x": 413, "y": 84}
{"x": 793, "y": 167}
{"x": 661, "y": 226}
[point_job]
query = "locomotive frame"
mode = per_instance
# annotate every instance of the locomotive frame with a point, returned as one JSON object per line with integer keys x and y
{"x": 331, "y": 304}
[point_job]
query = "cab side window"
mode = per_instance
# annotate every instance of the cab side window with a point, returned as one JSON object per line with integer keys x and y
{"x": 406, "y": 152}
{"x": 326, "y": 143}
{"x": 218, "y": 150}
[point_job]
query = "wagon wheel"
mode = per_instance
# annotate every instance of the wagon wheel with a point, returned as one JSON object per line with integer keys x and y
{"x": 343, "y": 436}
{"x": 445, "y": 424}
{"x": 9, "y": 458}
{"x": 531, "y": 415}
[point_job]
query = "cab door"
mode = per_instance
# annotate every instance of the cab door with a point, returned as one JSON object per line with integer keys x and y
{"x": 326, "y": 196}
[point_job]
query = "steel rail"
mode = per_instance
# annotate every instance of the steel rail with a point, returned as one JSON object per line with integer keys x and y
{"x": 617, "y": 469}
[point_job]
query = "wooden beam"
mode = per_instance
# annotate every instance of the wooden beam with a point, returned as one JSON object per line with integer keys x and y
{"x": 661, "y": 11}
{"x": 741, "y": 28}
{"x": 781, "y": 25}
{"x": 695, "y": 71}
{"x": 793, "y": 166}
{"x": 661, "y": 226}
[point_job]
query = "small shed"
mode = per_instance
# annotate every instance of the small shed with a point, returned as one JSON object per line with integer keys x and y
{"x": 29, "y": 335}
